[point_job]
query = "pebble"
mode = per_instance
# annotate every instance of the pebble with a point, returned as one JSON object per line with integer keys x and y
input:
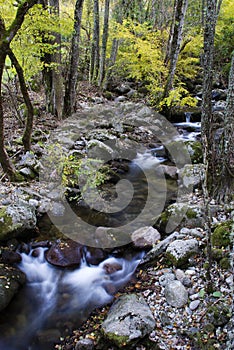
{"x": 194, "y": 304}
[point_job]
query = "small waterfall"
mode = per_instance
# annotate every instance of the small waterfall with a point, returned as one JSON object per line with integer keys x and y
{"x": 188, "y": 117}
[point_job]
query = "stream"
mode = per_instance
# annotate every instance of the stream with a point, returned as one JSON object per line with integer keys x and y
{"x": 54, "y": 300}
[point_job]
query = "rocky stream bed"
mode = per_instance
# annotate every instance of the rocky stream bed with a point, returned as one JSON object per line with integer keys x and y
{"x": 155, "y": 283}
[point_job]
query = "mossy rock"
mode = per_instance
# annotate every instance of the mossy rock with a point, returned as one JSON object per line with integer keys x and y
{"x": 178, "y": 214}
{"x": 195, "y": 151}
{"x": 225, "y": 263}
{"x": 218, "y": 315}
{"x": 221, "y": 235}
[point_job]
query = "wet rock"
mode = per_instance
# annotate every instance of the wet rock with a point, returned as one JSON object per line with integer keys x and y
{"x": 170, "y": 171}
{"x": 95, "y": 255}
{"x": 145, "y": 237}
{"x": 11, "y": 279}
{"x": 48, "y": 336}
{"x": 85, "y": 344}
{"x": 129, "y": 319}
{"x": 176, "y": 294}
{"x": 10, "y": 257}
{"x": 65, "y": 254}
{"x": 15, "y": 219}
{"x": 180, "y": 251}
{"x": 111, "y": 267}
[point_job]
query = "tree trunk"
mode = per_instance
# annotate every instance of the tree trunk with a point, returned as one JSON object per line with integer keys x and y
{"x": 95, "y": 52}
{"x": 180, "y": 11}
{"x": 104, "y": 43}
{"x": 4, "y": 159}
{"x": 207, "y": 121}
{"x": 71, "y": 84}
{"x": 29, "y": 120}
{"x": 225, "y": 182}
{"x": 57, "y": 81}
{"x": 6, "y": 36}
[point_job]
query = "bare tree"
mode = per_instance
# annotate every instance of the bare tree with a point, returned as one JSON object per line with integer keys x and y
{"x": 6, "y": 37}
{"x": 104, "y": 43}
{"x": 95, "y": 50}
{"x": 30, "y": 113}
{"x": 176, "y": 35}
{"x": 71, "y": 83}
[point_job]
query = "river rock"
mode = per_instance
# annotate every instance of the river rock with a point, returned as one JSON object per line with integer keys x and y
{"x": 192, "y": 175}
{"x": 145, "y": 237}
{"x": 65, "y": 254}
{"x": 10, "y": 257}
{"x": 129, "y": 319}
{"x": 16, "y": 218}
{"x": 178, "y": 215}
{"x": 95, "y": 255}
{"x": 11, "y": 279}
{"x": 170, "y": 171}
{"x": 176, "y": 294}
{"x": 85, "y": 344}
{"x": 195, "y": 151}
{"x": 180, "y": 251}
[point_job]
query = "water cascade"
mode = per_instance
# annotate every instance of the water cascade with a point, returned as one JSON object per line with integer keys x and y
{"x": 55, "y": 298}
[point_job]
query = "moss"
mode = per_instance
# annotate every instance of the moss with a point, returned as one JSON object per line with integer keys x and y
{"x": 225, "y": 263}
{"x": 195, "y": 151}
{"x": 119, "y": 340}
{"x": 218, "y": 315}
{"x": 217, "y": 254}
{"x": 5, "y": 223}
{"x": 191, "y": 214}
{"x": 206, "y": 265}
{"x": 221, "y": 235}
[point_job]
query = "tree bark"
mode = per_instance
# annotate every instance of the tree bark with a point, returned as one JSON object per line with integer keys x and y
{"x": 104, "y": 43}
{"x": 95, "y": 51}
{"x": 6, "y": 36}
{"x": 29, "y": 120}
{"x": 207, "y": 121}
{"x": 71, "y": 84}
{"x": 174, "y": 50}
{"x": 224, "y": 191}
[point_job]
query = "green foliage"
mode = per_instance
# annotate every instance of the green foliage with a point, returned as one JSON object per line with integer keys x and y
{"x": 178, "y": 96}
{"x": 224, "y": 39}
{"x": 73, "y": 171}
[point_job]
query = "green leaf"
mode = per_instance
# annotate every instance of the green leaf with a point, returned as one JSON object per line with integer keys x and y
{"x": 202, "y": 293}
{"x": 217, "y": 294}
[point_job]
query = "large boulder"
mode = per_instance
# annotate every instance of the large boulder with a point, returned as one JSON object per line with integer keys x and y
{"x": 16, "y": 218}
{"x": 145, "y": 237}
{"x": 180, "y": 250}
{"x": 128, "y": 320}
{"x": 192, "y": 175}
{"x": 180, "y": 215}
{"x": 11, "y": 279}
{"x": 65, "y": 254}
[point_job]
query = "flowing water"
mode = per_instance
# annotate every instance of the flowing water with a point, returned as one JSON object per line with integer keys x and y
{"x": 55, "y": 299}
